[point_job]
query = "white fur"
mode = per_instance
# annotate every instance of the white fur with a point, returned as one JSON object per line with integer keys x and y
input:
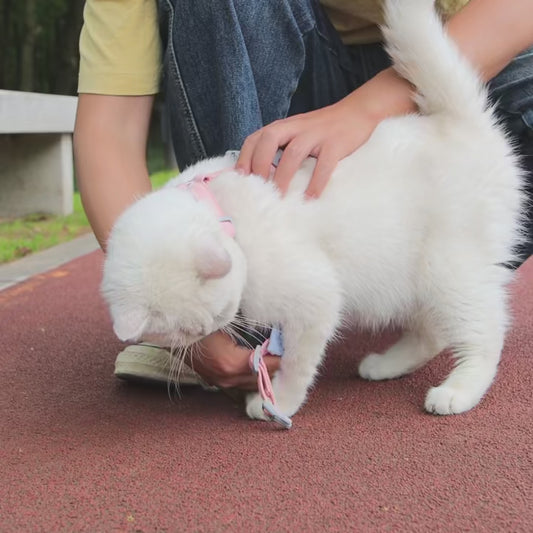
{"x": 412, "y": 229}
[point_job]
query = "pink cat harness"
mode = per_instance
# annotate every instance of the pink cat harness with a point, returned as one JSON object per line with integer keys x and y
{"x": 272, "y": 346}
{"x": 198, "y": 186}
{"x": 199, "y": 189}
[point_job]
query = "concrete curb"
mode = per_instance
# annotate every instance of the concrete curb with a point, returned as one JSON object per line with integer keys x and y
{"x": 37, "y": 263}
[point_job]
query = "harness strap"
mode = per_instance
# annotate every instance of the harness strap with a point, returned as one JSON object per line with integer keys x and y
{"x": 264, "y": 385}
{"x": 198, "y": 186}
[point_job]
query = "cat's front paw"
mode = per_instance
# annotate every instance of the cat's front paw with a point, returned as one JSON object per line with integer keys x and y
{"x": 446, "y": 400}
{"x": 285, "y": 404}
{"x": 288, "y": 403}
{"x": 254, "y": 407}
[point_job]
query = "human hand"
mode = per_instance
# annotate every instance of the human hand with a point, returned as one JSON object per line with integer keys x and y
{"x": 225, "y": 364}
{"x": 329, "y": 134}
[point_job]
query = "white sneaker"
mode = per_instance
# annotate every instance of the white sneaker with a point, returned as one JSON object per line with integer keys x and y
{"x": 151, "y": 364}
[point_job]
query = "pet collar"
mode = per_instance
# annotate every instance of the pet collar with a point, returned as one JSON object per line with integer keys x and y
{"x": 198, "y": 186}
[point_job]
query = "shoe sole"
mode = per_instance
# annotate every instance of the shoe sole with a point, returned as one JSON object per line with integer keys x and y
{"x": 151, "y": 364}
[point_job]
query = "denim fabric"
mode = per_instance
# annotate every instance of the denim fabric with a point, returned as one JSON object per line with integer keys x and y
{"x": 232, "y": 66}
{"x": 220, "y": 70}
{"x": 512, "y": 91}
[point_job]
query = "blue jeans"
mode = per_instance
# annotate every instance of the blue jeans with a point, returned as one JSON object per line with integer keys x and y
{"x": 232, "y": 66}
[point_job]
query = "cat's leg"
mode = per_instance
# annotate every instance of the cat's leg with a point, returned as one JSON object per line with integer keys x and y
{"x": 302, "y": 356}
{"x": 413, "y": 350}
{"x": 476, "y": 322}
{"x": 306, "y": 332}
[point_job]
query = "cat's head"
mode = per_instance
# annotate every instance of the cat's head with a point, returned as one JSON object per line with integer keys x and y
{"x": 171, "y": 274}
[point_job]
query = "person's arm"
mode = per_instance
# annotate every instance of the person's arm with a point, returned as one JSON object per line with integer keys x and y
{"x": 110, "y": 154}
{"x": 489, "y": 33}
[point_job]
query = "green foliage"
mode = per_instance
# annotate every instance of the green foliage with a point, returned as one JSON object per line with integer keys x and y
{"x": 160, "y": 178}
{"x": 39, "y": 45}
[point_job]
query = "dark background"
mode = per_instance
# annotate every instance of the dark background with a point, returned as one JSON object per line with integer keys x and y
{"x": 39, "y": 45}
{"x": 39, "y": 52}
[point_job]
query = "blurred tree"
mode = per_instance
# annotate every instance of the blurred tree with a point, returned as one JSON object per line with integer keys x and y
{"x": 39, "y": 52}
{"x": 28, "y": 46}
{"x": 39, "y": 45}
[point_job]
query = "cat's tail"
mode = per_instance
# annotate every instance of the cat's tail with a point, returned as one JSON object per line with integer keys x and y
{"x": 423, "y": 54}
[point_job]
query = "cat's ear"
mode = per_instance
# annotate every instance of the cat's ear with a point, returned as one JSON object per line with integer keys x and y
{"x": 211, "y": 259}
{"x": 129, "y": 325}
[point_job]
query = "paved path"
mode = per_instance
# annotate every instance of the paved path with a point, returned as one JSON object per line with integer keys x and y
{"x": 33, "y": 264}
{"x": 81, "y": 451}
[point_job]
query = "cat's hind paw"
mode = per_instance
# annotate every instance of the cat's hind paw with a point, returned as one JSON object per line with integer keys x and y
{"x": 376, "y": 367}
{"x": 446, "y": 400}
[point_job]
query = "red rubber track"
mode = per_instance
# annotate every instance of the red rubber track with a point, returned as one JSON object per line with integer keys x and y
{"x": 82, "y": 451}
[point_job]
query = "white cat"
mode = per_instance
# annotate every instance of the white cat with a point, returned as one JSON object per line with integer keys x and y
{"x": 413, "y": 229}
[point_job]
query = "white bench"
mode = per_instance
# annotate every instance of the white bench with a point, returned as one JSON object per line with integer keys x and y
{"x": 36, "y": 166}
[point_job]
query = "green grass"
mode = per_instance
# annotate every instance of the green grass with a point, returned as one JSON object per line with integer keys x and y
{"x": 158, "y": 179}
{"x": 23, "y": 236}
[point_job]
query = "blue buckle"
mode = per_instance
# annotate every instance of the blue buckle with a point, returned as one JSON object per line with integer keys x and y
{"x": 275, "y": 344}
{"x": 257, "y": 359}
{"x": 276, "y": 416}
{"x": 234, "y": 154}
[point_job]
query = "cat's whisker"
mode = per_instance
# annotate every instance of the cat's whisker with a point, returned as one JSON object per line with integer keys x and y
{"x": 196, "y": 352}
{"x": 181, "y": 363}
{"x": 175, "y": 365}
{"x": 254, "y": 334}
{"x": 236, "y": 336}
{"x": 245, "y": 326}
{"x": 178, "y": 359}
{"x": 174, "y": 370}
{"x": 250, "y": 321}
{"x": 257, "y": 328}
